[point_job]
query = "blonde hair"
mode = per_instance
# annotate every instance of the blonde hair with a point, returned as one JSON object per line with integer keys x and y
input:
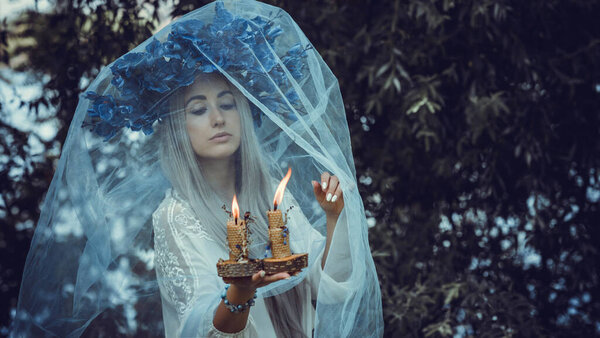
{"x": 181, "y": 166}
{"x": 254, "y": 187}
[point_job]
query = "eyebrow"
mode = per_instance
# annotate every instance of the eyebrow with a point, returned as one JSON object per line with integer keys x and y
{"x": 202, "y": 97}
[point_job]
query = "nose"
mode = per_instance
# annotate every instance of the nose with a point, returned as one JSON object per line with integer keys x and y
{"x": 217, "y": 118}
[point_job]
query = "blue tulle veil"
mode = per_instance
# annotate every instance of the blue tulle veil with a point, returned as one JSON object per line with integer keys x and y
{"x": 91, "y": 258}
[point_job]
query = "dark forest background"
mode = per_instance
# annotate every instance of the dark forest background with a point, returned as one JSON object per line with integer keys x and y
{"x": 476, "y": 133}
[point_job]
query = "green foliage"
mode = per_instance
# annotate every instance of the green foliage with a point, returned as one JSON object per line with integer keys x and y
{"x": 475, "y": 131}
{"x": 479, "y": 113}
{"x": 476, "y": 112}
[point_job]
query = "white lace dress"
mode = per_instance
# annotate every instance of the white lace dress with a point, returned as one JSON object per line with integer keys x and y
{"x": 185, "y": 261}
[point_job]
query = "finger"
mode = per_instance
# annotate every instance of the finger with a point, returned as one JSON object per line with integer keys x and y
{"x": 325, "y": 181}
{"x": 276, "y": 277}
{"x": 333, "y": 184}
{"x": 338, "y": 194}
{"x": 319, "y": 194}
{"x": 258, "y": 277}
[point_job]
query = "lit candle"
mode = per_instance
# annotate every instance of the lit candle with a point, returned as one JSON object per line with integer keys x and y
{"x": 237, "y": 234}
{"x": 278, "y": 232}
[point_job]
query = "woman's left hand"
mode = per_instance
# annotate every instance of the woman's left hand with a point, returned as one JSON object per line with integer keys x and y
{"x": 329, "y": 194}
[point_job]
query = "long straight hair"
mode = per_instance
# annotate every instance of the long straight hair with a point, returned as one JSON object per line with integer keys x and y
{"x": 254, "y": 185}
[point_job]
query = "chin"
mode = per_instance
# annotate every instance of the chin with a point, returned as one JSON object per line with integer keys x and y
{"x": 222, "y": 156}
{"x": 219, "y": 154}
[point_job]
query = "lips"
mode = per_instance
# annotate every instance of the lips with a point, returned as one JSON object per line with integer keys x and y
{"x": 220, "y": 135}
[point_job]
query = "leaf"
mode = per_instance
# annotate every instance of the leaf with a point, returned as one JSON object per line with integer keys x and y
{"x": 452, "y": 292}
{"x": 402, "y": 71}
{"x": 397, "y": 84}
{"x": 388, "y": 82}
{"x": 415, "y": 107}
{"x": 370, "y": 105}
{"x": 443, "y": 328}
{"x": 382, "y": 70}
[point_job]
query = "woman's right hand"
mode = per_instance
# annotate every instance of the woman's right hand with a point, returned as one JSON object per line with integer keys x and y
{"x": 240, "y": 291}
{"x": 259, "y": 279}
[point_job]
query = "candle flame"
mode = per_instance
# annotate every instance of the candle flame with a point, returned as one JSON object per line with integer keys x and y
{"x": 281, "y": 189}
{"x": 235, "y": 209}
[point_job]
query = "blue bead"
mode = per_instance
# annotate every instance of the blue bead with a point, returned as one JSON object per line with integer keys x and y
{"x": 284, "y": 235}
{"x": 240, "y": 307}
{"x": 232, "y": 310}
{"x": 226, "y": 301}
{"x": 284, "y": 242}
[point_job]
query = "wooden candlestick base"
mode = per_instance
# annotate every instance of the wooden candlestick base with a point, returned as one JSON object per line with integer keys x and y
{"x": 231, "y": 268}
{"x": 288, "y": 264}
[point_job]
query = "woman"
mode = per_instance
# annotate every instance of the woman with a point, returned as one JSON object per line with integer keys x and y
{"x": 133, "y": 219}
{"x": 204, "y": 151}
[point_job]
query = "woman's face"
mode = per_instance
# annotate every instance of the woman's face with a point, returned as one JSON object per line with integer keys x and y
{"x": 212, "y": 120}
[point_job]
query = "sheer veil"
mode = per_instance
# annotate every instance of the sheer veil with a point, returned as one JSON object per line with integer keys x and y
{"x": 92, "y": 256}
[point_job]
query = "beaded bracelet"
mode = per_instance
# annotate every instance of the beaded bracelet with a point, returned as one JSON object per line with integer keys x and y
{"x": 234, "y": 307}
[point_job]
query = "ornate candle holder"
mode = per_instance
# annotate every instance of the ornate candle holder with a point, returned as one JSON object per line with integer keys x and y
{"x": 238, "y": 264}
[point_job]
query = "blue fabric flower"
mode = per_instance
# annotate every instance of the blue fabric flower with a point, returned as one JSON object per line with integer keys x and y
{"x": 105, "y": 130}
{"x": 222, "y": 17}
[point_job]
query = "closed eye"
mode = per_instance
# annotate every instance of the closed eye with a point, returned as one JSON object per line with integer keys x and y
{"x": 227, "y": 106}
{"x": 198, "y": 111}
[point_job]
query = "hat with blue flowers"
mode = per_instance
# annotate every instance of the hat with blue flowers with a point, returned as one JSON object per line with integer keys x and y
{"x": 145, "y": 80}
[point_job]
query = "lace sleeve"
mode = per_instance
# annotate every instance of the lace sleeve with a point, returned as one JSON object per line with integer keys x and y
{"x": 185, "y": 257}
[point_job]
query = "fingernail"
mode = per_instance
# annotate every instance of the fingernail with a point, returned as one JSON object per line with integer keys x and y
{"x": 262, "y": 274}
{"x": 334, "y": 198}
{"x": 328, "y": 198}
{"x": 324, "y": 185}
